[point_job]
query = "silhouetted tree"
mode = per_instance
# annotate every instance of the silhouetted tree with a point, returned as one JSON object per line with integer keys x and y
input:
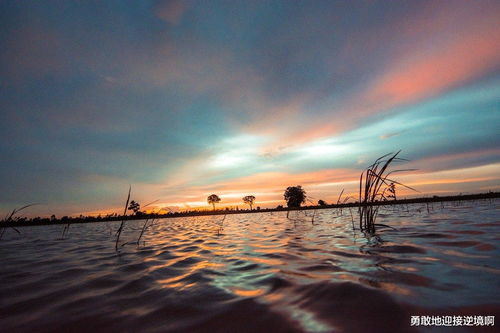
{"x": 134, "y": 206}
{"x": 321, "y": 202}
{"x": 295, "y": 196}
{"x": 213, "y": 199}
{"x": 249, "y": 200}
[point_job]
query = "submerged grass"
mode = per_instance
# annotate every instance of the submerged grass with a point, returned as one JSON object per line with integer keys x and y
{"x": 374, "y": 183}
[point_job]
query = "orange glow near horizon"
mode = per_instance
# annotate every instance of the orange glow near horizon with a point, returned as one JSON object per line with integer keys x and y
{"x": 319, "y": 185}
{"x": 268, "y": 187}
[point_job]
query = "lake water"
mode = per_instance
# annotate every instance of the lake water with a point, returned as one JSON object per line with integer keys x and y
{"x": 257, "y": 273}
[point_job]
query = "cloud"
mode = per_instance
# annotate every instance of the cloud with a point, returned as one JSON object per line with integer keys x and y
{"x": 452, "y": 47}
{"x": 170, "y": 11}
{"x": 454, "y": 64}
{"x": 268, "y": 187}
{"x": 449, "y": 161}
{"x": 428, "y": 52}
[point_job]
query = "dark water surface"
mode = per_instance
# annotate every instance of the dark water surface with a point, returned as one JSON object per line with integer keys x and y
{"x": 258, "y": 273}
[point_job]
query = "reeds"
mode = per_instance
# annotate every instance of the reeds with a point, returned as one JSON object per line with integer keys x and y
{"x": 352, "y": 218}
{"x": 374, "y": 182}
{"x": 221, "y": 225}
{"x": 120, "y": 229}
{"x": 66, "y": 229}
{"x": 144, "y": 228}
{"x": 340, "y": 197}
{"x": 10, "y": 218}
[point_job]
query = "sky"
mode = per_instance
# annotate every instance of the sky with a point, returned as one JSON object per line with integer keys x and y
{"x": 182, "y": 99}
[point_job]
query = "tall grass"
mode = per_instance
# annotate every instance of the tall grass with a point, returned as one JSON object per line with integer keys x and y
{"x": 374, "y": 183}
{"x": 340, "y": 197}
{"x": 66, "y": 229}
{"x": 122, "y": 224}
{"x": 10, "y": 218}
{"x": 144, "y": 228}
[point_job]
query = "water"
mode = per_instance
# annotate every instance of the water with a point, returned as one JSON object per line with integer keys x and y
{"x": 256, "y": 273}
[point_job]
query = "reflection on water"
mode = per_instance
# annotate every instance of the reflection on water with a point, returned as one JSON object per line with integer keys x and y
{"x": 258, "y": 272}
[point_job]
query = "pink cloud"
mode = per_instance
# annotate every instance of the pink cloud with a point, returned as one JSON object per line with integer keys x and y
{"x": 438, "y": 49}
{"x": 445, "y": 47}
{"x": 457, "y": 63}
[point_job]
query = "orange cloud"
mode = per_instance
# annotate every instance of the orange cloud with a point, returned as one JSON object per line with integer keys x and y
{"x": 269, "y": 187}
{"x": 278, "y": 180}
{"x": 311, "y": 132}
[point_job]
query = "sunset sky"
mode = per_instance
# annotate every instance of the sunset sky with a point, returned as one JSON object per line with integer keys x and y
{"x": 182, "y": 99}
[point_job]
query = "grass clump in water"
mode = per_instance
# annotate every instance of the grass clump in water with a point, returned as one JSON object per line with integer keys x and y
{"x": 374, "y": 184}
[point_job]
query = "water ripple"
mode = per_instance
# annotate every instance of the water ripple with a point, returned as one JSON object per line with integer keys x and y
{"x": 261, "y": 272}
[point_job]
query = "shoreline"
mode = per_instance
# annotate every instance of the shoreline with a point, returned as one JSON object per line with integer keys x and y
{"x": 92, "y": 219}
